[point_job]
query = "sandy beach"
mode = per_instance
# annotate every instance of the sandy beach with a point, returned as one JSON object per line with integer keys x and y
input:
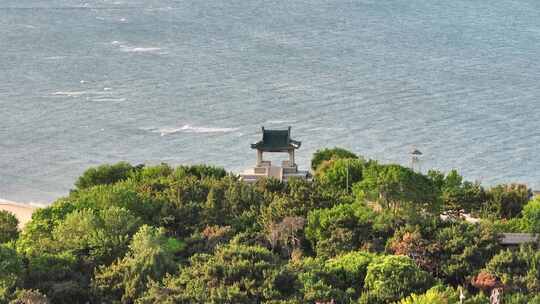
{"x": 22, "y": 212}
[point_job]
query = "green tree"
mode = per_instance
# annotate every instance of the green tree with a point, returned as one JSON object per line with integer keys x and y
{"x": 8, "y": 227}
{"x": 531, "y": 216}
{"x": 59, "y": 276}
{"x": 518, "y": 270}
{"x": 150, "y": 258}
{"x": 340, "y": 229}
{"x": 97, "y": 237}
{"x": 233, "y": 274}
{"x": 457, "y": 195}
{"x": 399, "y": 189}
{"x": 340, "y": 173}
{"x": 11, "y": 271}
{"x": 390, "y": 278}
{"x": 463, "y": 249}
{"x": 200, "y": 171}
{"x": 318, "y": 282}
{"x": 36, "y": 236}
{"x": 322, "y": 155}
{"x": 104, "y": 175}
{"x": 349, "y": 270}
{"x": 507, "y": 201}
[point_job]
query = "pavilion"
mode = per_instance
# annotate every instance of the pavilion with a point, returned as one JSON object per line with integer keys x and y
{"x": 275, "y": 141}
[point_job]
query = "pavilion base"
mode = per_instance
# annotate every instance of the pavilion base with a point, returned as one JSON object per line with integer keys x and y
{"x": 280, "y": 173}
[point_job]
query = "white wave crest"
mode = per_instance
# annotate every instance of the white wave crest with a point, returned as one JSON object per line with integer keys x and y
{"x": 192, "y": 129}
{"x": 108, "y": 99}
{"x": 69, "y": 94}
{"x": 129, "y": 49}
{"x": 33, "y": 204}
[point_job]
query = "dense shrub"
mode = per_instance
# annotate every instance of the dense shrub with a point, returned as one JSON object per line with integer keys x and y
{"x": 196, "y": 234}
{"x": 104, "y": 175}
{"x": 8, "y": 227}
{"x": 322, "y": 155}
{"x": 390, "y": 278}
{"x": 531, "y": 216}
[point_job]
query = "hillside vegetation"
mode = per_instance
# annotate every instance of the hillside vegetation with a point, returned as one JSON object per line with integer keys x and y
{"x": 361, "y": 232}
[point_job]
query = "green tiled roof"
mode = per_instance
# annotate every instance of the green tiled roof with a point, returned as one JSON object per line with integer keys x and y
{"x": 276, "y": 141}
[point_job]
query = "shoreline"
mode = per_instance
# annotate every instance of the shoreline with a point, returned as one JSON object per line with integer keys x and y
{"x": 23, "y": 212}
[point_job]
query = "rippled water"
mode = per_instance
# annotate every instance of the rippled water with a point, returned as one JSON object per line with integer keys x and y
{"x": 90, "y": 82}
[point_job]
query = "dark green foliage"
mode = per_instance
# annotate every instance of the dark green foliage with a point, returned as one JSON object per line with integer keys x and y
{"x": 457, "y": 195}
{"x": 327, "y": 154}
{"x": 464, "y": 248}
{"x": 8, "y": 227}
{"x": 399, "y": 189}
{"x": 99, "y": 237}
{"x": 11, "y": 270}
{"x": 195, "y": 234}
{"x": 234, "y": 274}
{"x": 518, "y": 270}
{"x": 317, "y": 282}
{"x": 104, "y": 175}
{"x": 451, "y": 251}
{"x": 340, "y": 173}
{"x": 59, "y": 276}
{"x": 349, "y": 270}
{"x": 150, "y": 257}
{"x": 344, "y": 228}
{"x": 507, "y": 201}
{"x": 200, "y": 171}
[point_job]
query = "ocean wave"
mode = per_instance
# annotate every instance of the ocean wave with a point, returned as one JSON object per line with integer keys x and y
{"x": 108, "y": 99}
{"x": 191, "y": 129}
{"x": 69, "y": 94}
{"x": 134, "y": 49}
{"x": 32, "y": 204}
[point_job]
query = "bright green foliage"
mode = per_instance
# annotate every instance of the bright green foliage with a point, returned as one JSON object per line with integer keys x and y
{"x": 342, "y": 228}
{"x": 327, "y": 154}
{"x": 341, "y": 173}
{"x": 36, "y": 236}
{"x": 234, "y": 274}
{"x": 150, "y": 257}
{"x": 98, "y": 237}
{"x": 104, "y": 175}
{"x": 318, "y": 282}
{"x": 531, "y": 216}
{"x": 432, "y": 296}
{"x": 11, "y": 271}
{"x": 8, "y": 227}
{"x": 122, "y": 195}
{"x": 517, "y": 270}
{"x": 206, "y": 238}
{"x": 350, "y": 269}
{"x": 399, "y": 189}
{"x": 390, "y": 278}
{"x": 507, "y": 201}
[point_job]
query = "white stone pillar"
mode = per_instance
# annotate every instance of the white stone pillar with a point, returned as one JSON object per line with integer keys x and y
{"x": 291, "y": 158}
{"x": 259, "y": 158}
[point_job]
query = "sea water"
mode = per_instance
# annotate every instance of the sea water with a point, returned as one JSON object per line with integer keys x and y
{"x": 84, "y": 83}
